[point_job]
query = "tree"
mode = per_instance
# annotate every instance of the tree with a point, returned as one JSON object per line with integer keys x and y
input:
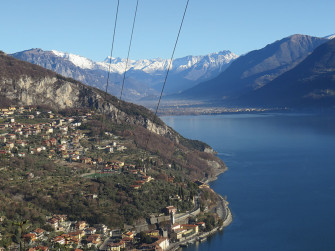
{"x": 6, "y": 240}
{"x": 145, "y": 238}
{"x": 210, "y": 222}
{"x": 22, "y": 227}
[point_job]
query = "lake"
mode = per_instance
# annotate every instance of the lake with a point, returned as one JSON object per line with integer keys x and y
{"x": 280, "y": 181}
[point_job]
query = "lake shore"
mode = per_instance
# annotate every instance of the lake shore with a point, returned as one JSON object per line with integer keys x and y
{"x": 222, "y": 210}
{"x": 274, "y": 159}
{"x": 227, "y": 220}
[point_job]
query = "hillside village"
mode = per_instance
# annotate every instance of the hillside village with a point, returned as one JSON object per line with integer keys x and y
{"x": 79, "y": 235}
{"x": 27, "y": 132}
{"x": 59, "y": 137}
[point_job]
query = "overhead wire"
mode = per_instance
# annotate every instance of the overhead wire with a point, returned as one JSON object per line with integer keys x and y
{"x": 111, "y": 54}
{"x": 131, "y": 39}
{"x": 108, "y": 74}
{"x": 166, "y": 76}
{"x": 127, "y": 61}
{"x": 110, "y": 62}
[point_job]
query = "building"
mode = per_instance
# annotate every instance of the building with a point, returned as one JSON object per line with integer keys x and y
{"x": 136, "y": 187}
{"x": 39, "y": 232}
{"x": 29, "y": 238}
{"x": 77, "y": 234}
{"x": 53, "y": 222}
{"x": 128, "y": 234}
{"x": 101, "y": 228}
{"x": 59, "y": 240}
{"x": 170, "y": 209}
{"x": 163, "y": 243}
{"x": 60, "y": 217}
{"x": 117, "y": 246}
{"x": 39, "y": 248}
{"x": 95, "y": 239}
{"x": 194, "y": 228}
{"x": 153, "y": 233}
{"x": 9, "y": 145}
{"x": 80, "y": 225}
{"x": 178, "y": 234}
{"x": 90, "y": 230}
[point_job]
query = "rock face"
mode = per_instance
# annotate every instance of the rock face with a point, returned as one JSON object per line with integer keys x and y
{"x": 30, "y": 84}
{"x": 144, "y": 77}
{"x": 31, "y": 91}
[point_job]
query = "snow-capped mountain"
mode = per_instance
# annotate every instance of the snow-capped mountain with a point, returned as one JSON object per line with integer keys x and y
{"x": 330, "y": 36}
{"x": 144, "y": 77}
{"x": 77, "y": 60}
{"x": 152, "y": 66}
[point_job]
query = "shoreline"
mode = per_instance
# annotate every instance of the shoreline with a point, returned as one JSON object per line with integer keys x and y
{"x": 227, "y": 219}
{"x": 198, "y": 111}
{"x": 218, "y": 171}
{"x": 197, "y": 237}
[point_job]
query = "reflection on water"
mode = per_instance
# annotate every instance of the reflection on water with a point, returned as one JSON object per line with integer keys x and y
{"x": 280, "y": 182}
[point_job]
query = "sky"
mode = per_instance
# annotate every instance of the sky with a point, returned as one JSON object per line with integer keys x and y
{"x": 85, "y": 27}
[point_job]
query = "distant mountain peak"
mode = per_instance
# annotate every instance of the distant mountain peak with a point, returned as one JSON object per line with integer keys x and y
{"x": 147, "y": 65}
{"x": 144, "y": 76}
{"x": 255, "y": 69}
{"x": 77, "y": 60}
{"x": 330, "y": 36}
{"x": 310, "y": 84}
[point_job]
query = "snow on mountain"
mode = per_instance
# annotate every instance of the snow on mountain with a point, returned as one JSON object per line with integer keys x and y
{"x": 200, "y": 65}
{"x": 330, "y": 36}
{"x": 118, "y": 65}
{"x": 144, "y": 76}
{"x": 152, "y": 66}
{"x": 77, "y": 60}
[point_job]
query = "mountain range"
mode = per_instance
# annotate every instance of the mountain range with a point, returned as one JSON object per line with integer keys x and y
{"x": 256, "y": 69}
{"x": 294, "y": 72}
{"x": 309, "y": 84}
{"x": 26, "y": 84}
{"x": 265, "y": 77}
{"x": 144, "y": 77}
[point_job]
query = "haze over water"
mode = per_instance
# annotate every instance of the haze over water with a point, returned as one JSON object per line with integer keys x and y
{"x": 280, "y": 182}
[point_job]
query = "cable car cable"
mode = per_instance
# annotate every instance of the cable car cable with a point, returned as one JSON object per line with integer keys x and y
{"x": 166, "y": 76}
{"x": 131, "y": 39}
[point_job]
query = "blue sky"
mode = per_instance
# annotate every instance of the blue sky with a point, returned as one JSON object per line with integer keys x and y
{"x": 85, "y": 27}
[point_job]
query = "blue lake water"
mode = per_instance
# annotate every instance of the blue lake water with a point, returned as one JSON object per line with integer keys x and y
{"x": 280, "y": 182}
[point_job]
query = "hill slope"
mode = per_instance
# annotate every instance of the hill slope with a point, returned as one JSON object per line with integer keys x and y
{"x": 28, "y": 84}
{"x": 255, "y": 69}
{"x": 310, "y": 84}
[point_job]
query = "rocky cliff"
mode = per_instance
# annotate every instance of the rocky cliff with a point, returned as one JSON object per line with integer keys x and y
{"x": 29, "y": 84}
